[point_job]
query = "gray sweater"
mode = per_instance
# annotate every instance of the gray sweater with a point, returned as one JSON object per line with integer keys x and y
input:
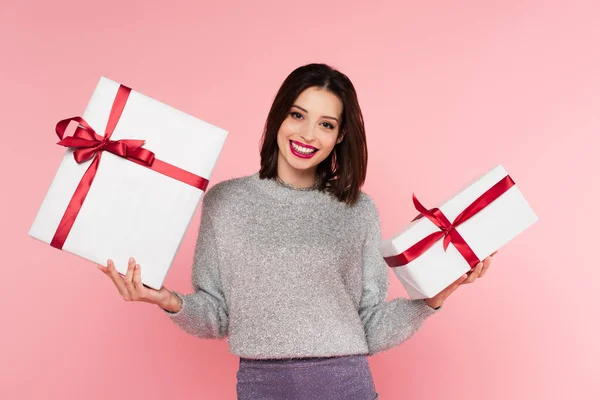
{"x": 289, "y": 273}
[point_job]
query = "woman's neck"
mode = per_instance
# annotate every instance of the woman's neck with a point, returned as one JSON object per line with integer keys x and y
{"x": 300, "y": 179}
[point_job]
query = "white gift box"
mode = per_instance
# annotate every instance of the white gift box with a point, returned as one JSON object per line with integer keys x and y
{"x": 485, "y": 232}
{"x": 132, "y": 210}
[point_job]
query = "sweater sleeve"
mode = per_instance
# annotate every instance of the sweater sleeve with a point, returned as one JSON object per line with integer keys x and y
{"x": 386, "y": 323}
{"x": 204, "y": 312}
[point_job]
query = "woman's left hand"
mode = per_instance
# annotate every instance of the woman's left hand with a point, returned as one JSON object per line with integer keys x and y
{"x": 477, "y": 272}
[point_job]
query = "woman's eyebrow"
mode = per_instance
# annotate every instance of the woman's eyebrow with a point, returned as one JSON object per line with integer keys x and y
{"x": 322, "y": 116}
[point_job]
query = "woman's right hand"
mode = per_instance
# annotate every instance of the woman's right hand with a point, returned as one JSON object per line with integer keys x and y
{"x": 131, "y": 287}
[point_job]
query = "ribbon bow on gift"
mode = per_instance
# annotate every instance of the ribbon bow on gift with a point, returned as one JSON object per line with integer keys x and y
{"x": 89, "y": 144}
{"x": 448, "y": 229}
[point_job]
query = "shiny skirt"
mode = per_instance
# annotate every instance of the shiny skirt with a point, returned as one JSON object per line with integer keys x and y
{"x": 312, "y": 378}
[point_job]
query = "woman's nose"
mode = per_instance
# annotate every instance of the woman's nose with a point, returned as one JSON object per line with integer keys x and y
{"x": 309, "y": 134}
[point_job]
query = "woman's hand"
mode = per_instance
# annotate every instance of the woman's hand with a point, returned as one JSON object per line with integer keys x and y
{"x": 477, "y": 272}
{"x": 131, "y": 287}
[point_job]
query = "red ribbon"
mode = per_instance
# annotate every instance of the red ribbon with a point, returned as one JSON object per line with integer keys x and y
{"x": 91, "y": 145}
{"x": 448, "y": 230}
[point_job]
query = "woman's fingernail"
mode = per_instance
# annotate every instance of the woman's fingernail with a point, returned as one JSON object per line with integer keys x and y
{"x": 130, "y": 259}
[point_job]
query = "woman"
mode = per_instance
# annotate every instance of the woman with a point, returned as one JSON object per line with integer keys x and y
{"x": 287, "y": 264}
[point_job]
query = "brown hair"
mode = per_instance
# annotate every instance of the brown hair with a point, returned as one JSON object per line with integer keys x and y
{"x": 344, "y": 171}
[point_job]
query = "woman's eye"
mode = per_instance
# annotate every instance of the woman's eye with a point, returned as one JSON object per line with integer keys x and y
{"x": 297, "y": 115}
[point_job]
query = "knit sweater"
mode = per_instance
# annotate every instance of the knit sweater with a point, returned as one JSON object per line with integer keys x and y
{"x": 289, "y": 273}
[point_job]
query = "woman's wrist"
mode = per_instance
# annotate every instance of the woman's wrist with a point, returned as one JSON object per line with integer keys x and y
{"x": 433, "y": 304}
{"x": 173, "y": 304}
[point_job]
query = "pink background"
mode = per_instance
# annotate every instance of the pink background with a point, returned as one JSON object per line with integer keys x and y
{"x": 447, "y": 90}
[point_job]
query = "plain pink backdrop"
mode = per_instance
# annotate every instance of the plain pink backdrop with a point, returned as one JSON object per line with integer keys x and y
{"x": 448, "y": 90}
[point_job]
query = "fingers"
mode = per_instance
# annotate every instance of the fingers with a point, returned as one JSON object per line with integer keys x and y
{"x": 474, "y": 273}
{"x": 470, "y": 277}
{"x": 137, "y": 282}
{"x": 118, "y": 280}
{"x": 454, "y": 285}
{"x": 443, "y": 295}
{"x": 102, "y": 268}
{"x": 486, "y": 265}
{"x": 129, "y": 279}
{"x": 459, "y": 282}
{"x": 479, "y": 270}
{"x": 130, "y": 286}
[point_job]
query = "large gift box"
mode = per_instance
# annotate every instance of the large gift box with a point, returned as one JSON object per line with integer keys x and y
{"x": 131, "y": 178}
{"x": 444, "y": 242}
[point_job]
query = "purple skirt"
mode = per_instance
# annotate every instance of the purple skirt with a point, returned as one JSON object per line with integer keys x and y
{"x": 332, "y": 378}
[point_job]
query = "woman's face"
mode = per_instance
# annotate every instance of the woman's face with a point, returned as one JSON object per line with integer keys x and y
{"x": 312, "y": 123}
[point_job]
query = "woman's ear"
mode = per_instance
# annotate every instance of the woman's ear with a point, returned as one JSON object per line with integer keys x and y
{"x": 340, "y": 138}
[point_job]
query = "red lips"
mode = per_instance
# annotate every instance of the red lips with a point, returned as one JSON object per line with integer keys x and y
{"x": 304, "y": 145}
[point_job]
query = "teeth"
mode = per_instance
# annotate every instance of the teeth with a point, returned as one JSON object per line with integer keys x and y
{"x": 303, "y": 150}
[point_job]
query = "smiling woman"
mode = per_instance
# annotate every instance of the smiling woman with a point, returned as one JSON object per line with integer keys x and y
{"x": 287, "y": 262}
{"x": 316, "y": 108}
{"x": 310, "y": 135}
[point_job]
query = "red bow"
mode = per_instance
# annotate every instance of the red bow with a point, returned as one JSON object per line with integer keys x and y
{"x": 89, "y": 144}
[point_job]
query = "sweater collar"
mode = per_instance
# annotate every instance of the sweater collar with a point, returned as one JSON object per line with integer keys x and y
{"x": 271, "y": 188}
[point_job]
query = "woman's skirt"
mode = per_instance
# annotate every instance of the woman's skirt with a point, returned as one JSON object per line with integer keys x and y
{"x": 312, "y": 378}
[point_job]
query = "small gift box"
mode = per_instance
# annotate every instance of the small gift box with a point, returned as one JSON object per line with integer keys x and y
{"x": 130, "y": 181}
{"x": 444, "y": 242}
